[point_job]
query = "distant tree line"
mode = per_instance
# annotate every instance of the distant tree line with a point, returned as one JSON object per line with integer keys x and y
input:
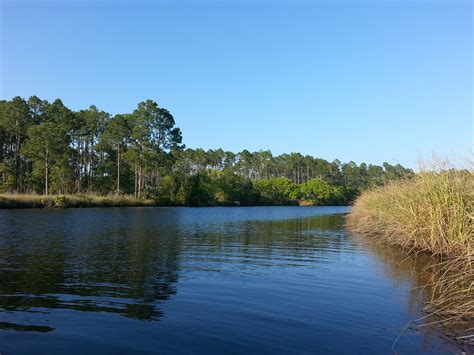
{"x": 48, "y": 148}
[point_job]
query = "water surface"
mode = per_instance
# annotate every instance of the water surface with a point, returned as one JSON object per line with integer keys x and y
{"x": 208, "y": 280}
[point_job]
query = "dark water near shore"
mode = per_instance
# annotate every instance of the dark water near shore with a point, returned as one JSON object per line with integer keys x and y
{"x": 208, "y": 280}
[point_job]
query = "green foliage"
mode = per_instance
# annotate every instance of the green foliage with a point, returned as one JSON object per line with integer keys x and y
{"x": 60, "y": 200}
{"x": 321, "y": 192}
{"x": 197, "y": 190}
{"x": 277, "y": 191}
{"x": 166, "y": 190}
{"x": 47, "y": 148}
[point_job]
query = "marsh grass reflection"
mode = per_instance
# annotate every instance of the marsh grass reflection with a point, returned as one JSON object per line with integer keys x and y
{"x": 423, "y": 271}
{"x": 125, "y": 265}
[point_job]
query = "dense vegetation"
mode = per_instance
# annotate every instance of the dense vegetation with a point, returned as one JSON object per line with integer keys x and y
{"x": 433, "y": 212}
{"x": 46, "y": 148}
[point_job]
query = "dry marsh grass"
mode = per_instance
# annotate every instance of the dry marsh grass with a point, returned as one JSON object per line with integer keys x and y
{"x": 69, "y": 201}
{"x": 433, "y": 213}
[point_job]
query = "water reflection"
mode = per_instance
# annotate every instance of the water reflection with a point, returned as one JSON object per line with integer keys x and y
{"x": 118, "y": 270}
{"x": 271, "y": 267}
{"x": 422, "y": 271}
{"x": 25, "y": 328}
{"x": 127, "y": 268}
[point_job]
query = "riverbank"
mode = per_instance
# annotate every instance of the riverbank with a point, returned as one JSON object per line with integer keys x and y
{"x": 431, "y": 213}
{"x": 11, "y": 201}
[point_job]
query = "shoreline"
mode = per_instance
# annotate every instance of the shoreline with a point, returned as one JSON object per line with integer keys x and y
{"x": 430, "y": 214}
{"x": 25, "y": 201}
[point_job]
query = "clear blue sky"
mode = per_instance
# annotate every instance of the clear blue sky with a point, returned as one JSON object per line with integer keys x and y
{"x": 366, "y": 81}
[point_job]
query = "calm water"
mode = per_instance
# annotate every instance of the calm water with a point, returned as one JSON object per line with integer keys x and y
{"x": 207, "y": 280}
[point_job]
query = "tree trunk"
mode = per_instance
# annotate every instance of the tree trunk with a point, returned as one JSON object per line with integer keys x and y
{"x": 139, "y": 181}
{"x": 46, "y": 173}
{"x": 136, "y": 182}
{"x": 17, "y": 161}
{"x": 91, "y": 158}
{"x": 118, "y": 171}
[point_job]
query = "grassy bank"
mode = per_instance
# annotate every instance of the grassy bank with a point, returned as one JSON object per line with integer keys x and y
{"x": 70, "y": 201}
{"x": 433, "y": 213}
{"x": 11, "y": 201}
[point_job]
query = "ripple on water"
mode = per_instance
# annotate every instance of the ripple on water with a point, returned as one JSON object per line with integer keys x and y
{"x": 271, "y": 279}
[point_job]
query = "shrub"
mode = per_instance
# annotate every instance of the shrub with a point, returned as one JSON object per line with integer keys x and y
{"x": 60, "y": 201}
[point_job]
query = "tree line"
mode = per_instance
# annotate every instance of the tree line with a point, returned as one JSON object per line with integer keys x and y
{"x": 47, "y": 148}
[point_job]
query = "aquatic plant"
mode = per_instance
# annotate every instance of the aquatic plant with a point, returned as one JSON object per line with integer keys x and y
{"x": 433, "y": 212}
{"x": 65, "y": 201}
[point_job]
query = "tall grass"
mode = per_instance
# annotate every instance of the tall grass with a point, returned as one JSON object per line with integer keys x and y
{"x": 434, "y": 213}
{"x": 69, "y": 201}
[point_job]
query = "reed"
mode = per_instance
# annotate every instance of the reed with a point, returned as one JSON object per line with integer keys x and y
{"x": 70, "y": 201}
{"x": 432, "y": 212}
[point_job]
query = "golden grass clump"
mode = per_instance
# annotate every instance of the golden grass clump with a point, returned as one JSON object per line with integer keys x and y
{"x": 70, "y": 201}
{"x": 432, "y": 212}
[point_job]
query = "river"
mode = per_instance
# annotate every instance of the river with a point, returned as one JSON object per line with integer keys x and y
{"x": 203, "y": 280}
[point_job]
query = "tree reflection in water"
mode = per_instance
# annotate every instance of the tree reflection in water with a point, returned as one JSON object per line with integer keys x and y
{"x": 128, "y": 268}
{"x": 127, "y": 262}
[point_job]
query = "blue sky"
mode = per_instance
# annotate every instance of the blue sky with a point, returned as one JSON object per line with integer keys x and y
{"x": 366, "y": 81}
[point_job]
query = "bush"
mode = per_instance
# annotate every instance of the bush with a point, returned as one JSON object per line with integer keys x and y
{"x": 60, "y": 201}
